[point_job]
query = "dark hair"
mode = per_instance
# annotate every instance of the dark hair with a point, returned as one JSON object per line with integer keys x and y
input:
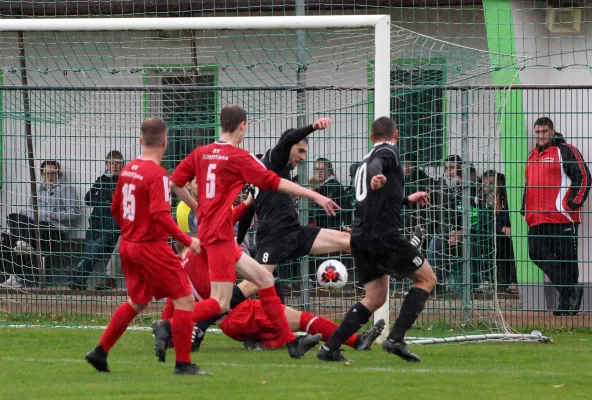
{"x": 288, "y": 131}
{"x": 154, "y": 131}
{"x": 383, "y": 128}
{"x": 54, "y": 163}
{"x": 259, "y": 156}
{"x": 500, "y": 183}
{"x": 327, "y": 163}
{"x": 544, "y": 121}
{"x": 454, "y": 158}
{"x": 114, "y": 155}
{"x": 231, "y": 117}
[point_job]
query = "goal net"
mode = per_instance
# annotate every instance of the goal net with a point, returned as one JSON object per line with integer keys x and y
{"x": 74, "y": 92}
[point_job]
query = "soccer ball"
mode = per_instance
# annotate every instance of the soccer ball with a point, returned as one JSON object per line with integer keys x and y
{"x": 332, "y": 274}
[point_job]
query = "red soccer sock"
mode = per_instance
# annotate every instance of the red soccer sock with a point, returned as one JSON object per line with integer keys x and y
{"x": 312, "y": 325}
{"x": 206, "y": 309}
{"x": 274, "y": 310}
{"x": 120, "y": 320}
{"x": 169, "y": 308}
{"x": 182, "y": 327}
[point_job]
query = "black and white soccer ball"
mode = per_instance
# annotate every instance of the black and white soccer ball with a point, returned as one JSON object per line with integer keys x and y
{"x": 332, "y": 275}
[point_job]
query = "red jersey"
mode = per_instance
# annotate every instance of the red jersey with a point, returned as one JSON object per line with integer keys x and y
{"x": 142, "y": 190}
{"x": 221, "y": 170}
{"x": 557, "y": 184}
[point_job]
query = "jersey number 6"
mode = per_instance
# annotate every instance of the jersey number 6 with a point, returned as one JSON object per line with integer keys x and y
{"x": 211, "y": 182}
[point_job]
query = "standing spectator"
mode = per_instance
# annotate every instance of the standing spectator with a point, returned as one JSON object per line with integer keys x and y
{"x": 186, "y": 218}
{"x": 557, "y": 185}
{"x": 416, "y": 180}
{"x": 325, "y": 182}
{"x": 103, "y": 232}
{"x": 57, "y": 210}
{"x": 494, "y": 229}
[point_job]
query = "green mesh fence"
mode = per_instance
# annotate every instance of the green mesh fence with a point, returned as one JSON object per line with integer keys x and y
{"x": 452, "y": 70}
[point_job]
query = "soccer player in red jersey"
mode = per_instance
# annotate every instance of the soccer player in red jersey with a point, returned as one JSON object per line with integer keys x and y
{"x": 222, "y": 169}
{"x": 142, "y": 206}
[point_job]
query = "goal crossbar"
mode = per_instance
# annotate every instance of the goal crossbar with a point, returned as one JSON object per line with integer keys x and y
{"x": 230, "y": 23}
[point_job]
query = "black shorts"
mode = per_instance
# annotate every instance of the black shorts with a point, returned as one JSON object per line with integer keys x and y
{"x": 285, "y": 244}
{"x": 395, "y": 257}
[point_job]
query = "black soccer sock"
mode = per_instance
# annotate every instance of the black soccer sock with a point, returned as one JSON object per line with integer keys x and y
{"x": 237, "y": 297}
{"x": 412, "y": 306}
{"x": 355, "y": 318}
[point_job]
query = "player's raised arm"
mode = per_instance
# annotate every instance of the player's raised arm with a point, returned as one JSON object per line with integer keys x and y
{"x": 280, "y": 154}
{"x": 254, "y": 172}
{"x": 184, "y": 173}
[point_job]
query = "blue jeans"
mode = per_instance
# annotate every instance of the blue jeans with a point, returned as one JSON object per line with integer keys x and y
{"x": 98, "y": 246}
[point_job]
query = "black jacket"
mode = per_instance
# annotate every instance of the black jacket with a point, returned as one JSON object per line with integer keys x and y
{"x": 334, "y": 190}
{"x": 99, "y": 197}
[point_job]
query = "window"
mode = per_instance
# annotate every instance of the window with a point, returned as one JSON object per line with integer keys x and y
{"x": 419, "y": 113}
{"x": 190, "y": 115}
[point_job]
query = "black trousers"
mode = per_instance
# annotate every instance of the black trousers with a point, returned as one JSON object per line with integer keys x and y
{"x": 24, "y": 228}
{"x": 554, "y": 249}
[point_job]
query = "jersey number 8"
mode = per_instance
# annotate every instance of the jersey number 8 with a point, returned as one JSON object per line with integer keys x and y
{"x": 361, "y": 186}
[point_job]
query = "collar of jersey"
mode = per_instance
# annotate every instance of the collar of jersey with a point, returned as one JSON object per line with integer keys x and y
{"x": 221, "y": 142}
{"x": 380, "y": 144}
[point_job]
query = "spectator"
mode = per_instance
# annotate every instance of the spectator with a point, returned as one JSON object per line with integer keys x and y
{"x": 416, "y": 180}
{"x": 186, "y": 217}
{"x": 325, "y": 183}
{"x": 57, "y": 210}
{"x": 557, "y": 185}
{"x": 103, "y": 232}
{"x": 494, "y": 222}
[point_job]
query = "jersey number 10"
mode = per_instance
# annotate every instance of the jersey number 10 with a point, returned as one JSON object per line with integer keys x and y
{"x": 361, "y": 185}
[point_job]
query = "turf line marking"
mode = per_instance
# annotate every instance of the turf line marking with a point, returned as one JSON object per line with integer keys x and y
{"x": 336, "y": 366}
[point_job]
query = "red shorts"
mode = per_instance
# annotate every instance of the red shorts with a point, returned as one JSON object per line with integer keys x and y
{"x": 248, "y": 321}
{"x": 152, "y": 269}
{"x": 221, "y": 258}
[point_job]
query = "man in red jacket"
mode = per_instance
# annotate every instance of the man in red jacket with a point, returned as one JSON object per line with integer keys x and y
{"x": 557, "y": 185}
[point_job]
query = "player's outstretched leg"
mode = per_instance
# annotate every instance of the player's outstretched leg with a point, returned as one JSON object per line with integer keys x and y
{"x": 273, "y": 308}
{"x": 413, "y": 304}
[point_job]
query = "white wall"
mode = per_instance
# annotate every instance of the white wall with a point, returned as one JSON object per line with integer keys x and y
{"x": 79, "y": 128}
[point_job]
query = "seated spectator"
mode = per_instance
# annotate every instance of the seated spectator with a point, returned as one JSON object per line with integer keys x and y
{"x": 325, "y": 183}
{"x": 103, "y": 232}
{"x": 57, "y": 210}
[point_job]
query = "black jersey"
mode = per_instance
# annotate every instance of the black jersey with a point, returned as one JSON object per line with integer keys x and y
{"x": 378, "y": 212}
{"x": 276, "y": 211}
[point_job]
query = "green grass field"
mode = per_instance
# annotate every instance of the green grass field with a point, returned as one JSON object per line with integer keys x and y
{"x": 49, "y": 364}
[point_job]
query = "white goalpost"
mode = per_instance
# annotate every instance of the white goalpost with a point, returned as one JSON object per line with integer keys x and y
{"x": 73, "y": 89}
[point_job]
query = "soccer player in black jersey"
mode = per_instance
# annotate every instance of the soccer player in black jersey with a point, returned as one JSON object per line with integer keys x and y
{"x": 378, "y": 249}
{"x": 280, "y": 237}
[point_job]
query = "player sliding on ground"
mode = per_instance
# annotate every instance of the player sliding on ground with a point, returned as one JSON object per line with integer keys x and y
{"x": 280, "y": 237}
{"x": 222, "y": 169}
{"x": 142, "y": 206}
{"x": 247, "y": 322}
{"x": 378, "y": 248}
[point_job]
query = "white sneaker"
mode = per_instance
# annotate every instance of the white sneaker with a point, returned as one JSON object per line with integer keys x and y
{"x": 23, "y": 246}
{"x": 13, "y": 282}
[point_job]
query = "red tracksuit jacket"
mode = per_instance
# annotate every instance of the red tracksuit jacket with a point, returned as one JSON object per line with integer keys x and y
{"x": 557, "y": 184}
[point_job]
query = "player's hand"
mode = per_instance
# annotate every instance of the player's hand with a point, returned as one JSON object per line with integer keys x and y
{"x": 421, "y": 198}
{"x": 377, "y": 182}
{"x": 346, "y": 229}
{"x": 321, "y": 123}
{"x": 194, "y": 246}
{"x": 249, "y": 201}
{"x": 328, "y": 205}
